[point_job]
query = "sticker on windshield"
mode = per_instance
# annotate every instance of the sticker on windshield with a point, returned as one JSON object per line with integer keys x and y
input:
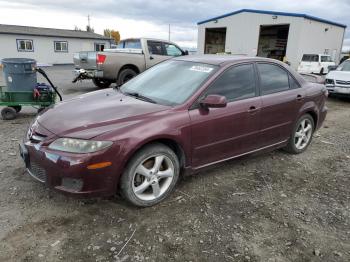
{"x": 203, "y": 69}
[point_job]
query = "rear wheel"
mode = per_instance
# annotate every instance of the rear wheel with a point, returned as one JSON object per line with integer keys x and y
{"x": 302, "y": 135}
{"x": 101, "y": 83}
{"x": 8, "y": 113}
{"x": 150, "y": 176}
{"x": 125, "y": 75}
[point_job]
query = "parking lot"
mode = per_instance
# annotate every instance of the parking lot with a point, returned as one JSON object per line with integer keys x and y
{"x": 271, "y": 207}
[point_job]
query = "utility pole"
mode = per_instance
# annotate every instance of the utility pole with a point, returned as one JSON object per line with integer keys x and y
{"x": 169, "y": 33}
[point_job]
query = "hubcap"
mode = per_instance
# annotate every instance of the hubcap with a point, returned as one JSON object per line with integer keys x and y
{"x": 153, "y": 177}
{"x": 303, "y": 134}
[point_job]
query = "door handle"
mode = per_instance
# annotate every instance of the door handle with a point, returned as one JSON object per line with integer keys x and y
{"x": 299, "y": 97}
{"x": 252, "y": 109}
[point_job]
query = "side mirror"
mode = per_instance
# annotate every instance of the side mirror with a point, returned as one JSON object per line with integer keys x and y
{"x": 332, "y": 67}
{"x": 214, "y": 101}
{"x": 185, "y": 52}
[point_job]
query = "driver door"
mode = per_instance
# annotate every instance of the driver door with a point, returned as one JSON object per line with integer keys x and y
{"x": 221, "y": 133}
{"x": 156, "y": 53}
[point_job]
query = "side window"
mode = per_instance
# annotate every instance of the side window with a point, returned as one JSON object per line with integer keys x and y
{"x": 134, "y": 44}
{"x": 155, "y": 48}
{"x": 236, "y": 83}
{"x": 293, "y": 84}
{"x": 25, "y": 45}
{"x": 314, "y": 58}
{"x": 172, "y": 50}
{"x": 272, "y": 79}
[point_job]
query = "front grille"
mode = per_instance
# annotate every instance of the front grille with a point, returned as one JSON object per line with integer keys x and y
{"x": 37, "y": 172}
{"x": 341, "y": 82}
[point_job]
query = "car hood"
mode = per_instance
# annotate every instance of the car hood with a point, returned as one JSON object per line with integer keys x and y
{"x": 339, "y": 75}
{"x": 95, "y": 113}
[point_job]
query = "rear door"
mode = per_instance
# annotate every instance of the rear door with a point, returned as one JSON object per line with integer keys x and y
{"x": 220, "y": 133}
{"x": 281, "y": 99}
{"x": 156, "y": 53}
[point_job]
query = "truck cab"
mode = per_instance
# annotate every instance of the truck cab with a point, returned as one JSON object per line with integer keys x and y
{"x": 129, "y": 58}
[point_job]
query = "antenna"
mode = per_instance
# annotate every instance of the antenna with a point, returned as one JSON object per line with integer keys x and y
{"x": 88, "y": 20}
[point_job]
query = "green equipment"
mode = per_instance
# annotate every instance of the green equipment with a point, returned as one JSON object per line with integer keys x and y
{"x": 22, "y": 88}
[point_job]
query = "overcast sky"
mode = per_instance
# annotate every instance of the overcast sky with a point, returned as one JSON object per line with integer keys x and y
{"x": 136, "y": 18}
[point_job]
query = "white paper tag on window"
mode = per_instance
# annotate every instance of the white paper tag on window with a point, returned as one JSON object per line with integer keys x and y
{"x": 201, "y": 69}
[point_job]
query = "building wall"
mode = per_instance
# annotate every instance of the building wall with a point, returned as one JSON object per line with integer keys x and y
{"x": 44, "y": 51}
{"x": 243, "y": 30}
{"x": 316, "y": 39}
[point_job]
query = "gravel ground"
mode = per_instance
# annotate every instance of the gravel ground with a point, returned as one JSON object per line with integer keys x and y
{"x": 271, "y": 207}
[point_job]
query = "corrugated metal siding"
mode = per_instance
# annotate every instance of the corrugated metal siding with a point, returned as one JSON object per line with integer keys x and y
{"x": 243, "y": 31}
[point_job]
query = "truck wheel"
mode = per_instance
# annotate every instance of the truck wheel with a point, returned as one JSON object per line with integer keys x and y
{"x": 125, "y": 75}
{"x": 17, "y": 108}
{"x": 101, "y": 83}
{"x": 8, "y": 113}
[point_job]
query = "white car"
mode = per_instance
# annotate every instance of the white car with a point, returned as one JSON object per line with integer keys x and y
{"x": 315, "y": 64}
{"x": 338, "y": 81}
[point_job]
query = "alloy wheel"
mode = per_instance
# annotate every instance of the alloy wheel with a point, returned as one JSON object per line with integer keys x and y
{"x": 303, "y": 134}
{"x": 153, "y": 177}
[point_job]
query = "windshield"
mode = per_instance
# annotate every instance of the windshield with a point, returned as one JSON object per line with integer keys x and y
{"x": 169, "y": 83}
{"x": 345, "y": 66}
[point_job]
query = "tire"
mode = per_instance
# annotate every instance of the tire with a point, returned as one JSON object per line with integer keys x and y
{"x": 142, "y": 190}
{"x": 299, "y": 133}
{"x": 8, "y": 113}
{"x": 322, "y": 71}
{"x": 17, "y": 108}
{"x": 101, "y": 83}
{"x": 125, "y": 75}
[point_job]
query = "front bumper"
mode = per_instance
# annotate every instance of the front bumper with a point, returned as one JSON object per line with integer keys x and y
{"x": 68, "y": 173}
{"x": 341, "y": 90}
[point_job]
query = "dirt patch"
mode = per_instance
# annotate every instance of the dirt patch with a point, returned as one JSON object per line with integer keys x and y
{"x": 270, "y": 207}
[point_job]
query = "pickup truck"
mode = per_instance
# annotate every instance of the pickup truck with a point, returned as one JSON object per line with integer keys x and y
{"x": 131, "y": 57}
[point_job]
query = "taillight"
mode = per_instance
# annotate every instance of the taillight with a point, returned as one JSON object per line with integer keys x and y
{"x": 100, "y": 59}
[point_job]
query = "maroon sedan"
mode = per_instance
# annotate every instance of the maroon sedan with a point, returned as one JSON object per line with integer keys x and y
{"x": 179, "y": 116}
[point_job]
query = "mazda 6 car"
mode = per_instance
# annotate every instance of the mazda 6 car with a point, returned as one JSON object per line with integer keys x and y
{"x": 177, "y": 117}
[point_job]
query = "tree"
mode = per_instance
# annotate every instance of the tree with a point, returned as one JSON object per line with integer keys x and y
{"x": 89, "y": 29}
{"x": 115, "y": 35}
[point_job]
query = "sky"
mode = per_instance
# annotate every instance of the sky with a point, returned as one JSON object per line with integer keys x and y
{"x": 151, "y": 18}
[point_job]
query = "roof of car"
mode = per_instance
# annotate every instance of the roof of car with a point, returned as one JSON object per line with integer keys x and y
{"x": 221, "y": 59}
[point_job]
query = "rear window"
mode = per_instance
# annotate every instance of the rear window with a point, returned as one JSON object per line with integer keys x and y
{"x": 310, "y": 58}
{"x": 132, "y": 43}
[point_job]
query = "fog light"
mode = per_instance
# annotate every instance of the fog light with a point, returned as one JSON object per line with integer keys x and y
{"x": 72, "y": 184}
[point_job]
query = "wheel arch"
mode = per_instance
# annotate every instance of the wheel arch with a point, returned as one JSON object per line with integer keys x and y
{"x": 129, "y": 66}
{"x": 172, "y": 143}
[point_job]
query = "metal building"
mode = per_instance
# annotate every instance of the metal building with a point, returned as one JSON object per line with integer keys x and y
{"x": 279, "y": 35}
{"x": 48, "y": 45}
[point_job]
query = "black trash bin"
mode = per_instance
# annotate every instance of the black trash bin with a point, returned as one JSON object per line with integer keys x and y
{"x": 19, "y": 74}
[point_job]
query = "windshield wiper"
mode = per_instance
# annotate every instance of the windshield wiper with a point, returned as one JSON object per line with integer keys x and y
{"x": 139, "y": 96}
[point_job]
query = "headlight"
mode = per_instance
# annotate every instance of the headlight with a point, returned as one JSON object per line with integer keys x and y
{"x": 79, "y": 145}
{"x": 329, "y": 81}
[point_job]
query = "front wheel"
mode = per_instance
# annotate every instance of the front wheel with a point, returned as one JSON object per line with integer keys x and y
{"x": 101, "y": 83}
{"x": 302, "y": 135}
{"x": 150, "y": 176}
